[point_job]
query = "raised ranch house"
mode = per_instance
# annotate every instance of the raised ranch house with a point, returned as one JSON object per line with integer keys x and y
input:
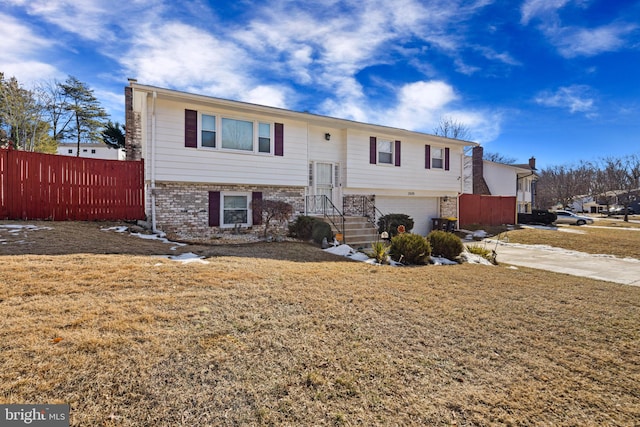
{"x": 207, "y": 160}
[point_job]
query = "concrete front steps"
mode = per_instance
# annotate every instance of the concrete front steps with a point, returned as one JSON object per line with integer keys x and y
{"x": 358, "y": 231}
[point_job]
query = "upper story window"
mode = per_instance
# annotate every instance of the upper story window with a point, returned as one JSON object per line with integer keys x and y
{"x": 385, "y": 151}
{"x": 237, "y": 134}
{"x": 437, "y": 158}
{"x": 264, "y": 138}
{"x": 208, "y": 131}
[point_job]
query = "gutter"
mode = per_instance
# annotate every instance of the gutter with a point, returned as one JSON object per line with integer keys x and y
{"x": 152, "y": 155}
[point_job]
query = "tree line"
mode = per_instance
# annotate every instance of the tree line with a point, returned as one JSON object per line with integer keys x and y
{"x": 40, "y": 118}
{"x": 609, "y": 181}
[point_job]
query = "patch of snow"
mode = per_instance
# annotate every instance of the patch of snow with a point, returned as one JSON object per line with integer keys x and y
{"x": 15, "y": 228}
{"x": 161, "y": 238}
{"x": 187, "y": 258}
{"x": 340, "y": 250}
{"x": 436, "y": 260}
{"x": 117, "y": 229}
{"x": 474, "y": 258}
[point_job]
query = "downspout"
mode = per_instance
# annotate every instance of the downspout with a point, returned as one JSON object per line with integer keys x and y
{"x": 152, "y": 155}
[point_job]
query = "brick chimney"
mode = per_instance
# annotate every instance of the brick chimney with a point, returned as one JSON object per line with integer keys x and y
{"x": 532, "y": 163}
{"x": 477, "y": 170}
{"x": 133, "y": 134}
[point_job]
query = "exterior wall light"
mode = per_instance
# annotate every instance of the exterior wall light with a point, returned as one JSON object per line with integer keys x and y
{"x": 327, "y": 136}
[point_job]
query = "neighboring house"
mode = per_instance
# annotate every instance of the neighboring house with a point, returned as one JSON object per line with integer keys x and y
{"x": 607, "y": 201}
{"x": 498, "y": 179}
{"x": 92, "y": 150}
{"x": 207, "y": 159}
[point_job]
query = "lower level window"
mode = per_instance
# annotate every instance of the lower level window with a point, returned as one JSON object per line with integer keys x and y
{"x": 235, "y": 210}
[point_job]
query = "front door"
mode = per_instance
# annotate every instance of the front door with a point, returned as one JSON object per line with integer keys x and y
{"x": 323, "y": 184}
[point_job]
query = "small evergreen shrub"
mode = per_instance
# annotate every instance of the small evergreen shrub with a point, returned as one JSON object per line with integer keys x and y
{"x": 302, "y": 227}
{"x": 321, "y": 230}
{"x": 410, "y": 249}
{"x": 390, "y": 223}
{"x": 380, "y": 252}
{"x": 444, "y": 244}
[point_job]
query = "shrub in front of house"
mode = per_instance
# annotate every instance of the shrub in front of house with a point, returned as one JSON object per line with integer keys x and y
{"x": 444, "y": 244}
{"x": 321, "y": 230}
{"x": 410, "y": 249}
{"x": 302, "y": 227}
{"x": 391, "y": 222}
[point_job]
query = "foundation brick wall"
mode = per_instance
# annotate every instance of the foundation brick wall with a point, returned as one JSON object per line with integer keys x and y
{"x": 182, "y": 209}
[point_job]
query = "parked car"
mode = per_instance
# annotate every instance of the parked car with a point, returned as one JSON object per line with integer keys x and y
{"x": 566, "y": 217}
{"x": 537, "y": 216}
{"x": 621, "y": 211}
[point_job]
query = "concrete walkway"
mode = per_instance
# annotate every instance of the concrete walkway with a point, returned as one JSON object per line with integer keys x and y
{"x": 601, "y": 267}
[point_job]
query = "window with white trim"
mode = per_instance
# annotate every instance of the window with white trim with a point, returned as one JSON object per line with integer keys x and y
{"x": 385, "y": 151}
{"x": 437, "y": 158}
{"x": 264, "y": 137}
{"x": 235, "y": 209}
{"x": 237, "y": 134}
{"x": 208, "y": 132}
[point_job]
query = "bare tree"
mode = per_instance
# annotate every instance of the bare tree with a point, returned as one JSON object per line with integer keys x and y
{"x": 623, "y": 174}
{"x": 58, "y": 114}
{"x": 561, "y": 184}
{"x": 498, "y": 158}
{"x": 452, "y": 128}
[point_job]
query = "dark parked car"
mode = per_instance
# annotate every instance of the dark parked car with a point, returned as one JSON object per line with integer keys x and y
{"x": 537, "y": 216}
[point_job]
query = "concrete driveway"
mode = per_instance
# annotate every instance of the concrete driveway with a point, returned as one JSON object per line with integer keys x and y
{"x": 601, "y": 267}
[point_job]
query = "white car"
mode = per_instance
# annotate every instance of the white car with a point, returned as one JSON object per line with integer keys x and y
{"x": 566, "y": 217}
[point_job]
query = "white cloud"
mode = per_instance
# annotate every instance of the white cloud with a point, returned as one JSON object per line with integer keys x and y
{"x": 573, "y": 42}
{"x": 19, "y": 46}
{"x": 531, "y": 9}
{"x": 188, "y": 58}
{"x": 576, "y": 99}
{"x": 94, "y": 20}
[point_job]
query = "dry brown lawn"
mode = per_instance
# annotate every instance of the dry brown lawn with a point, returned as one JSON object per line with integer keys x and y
{"x": 273, "y": 334}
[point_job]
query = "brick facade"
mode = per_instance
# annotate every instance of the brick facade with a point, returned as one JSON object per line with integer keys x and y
{"x": 182, "y": 209}
{"x": 449, "y": 207}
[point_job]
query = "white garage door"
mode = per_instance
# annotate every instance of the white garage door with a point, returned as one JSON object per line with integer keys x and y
{"x": 421, "y": 209}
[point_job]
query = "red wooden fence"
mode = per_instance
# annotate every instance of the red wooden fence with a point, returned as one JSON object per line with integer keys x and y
{"x": 487, "y": 210}
{"x": 54, "y": 187}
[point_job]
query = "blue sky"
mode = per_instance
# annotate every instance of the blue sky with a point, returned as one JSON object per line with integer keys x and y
{"x": 554, "y": 79}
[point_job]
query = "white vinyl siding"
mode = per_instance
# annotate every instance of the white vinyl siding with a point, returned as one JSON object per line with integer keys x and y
{"x": 362, "y": 176}
{"x": 222, "y": 166}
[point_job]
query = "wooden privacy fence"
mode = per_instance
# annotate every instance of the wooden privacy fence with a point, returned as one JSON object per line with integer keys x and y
{"x": 54, "y": 187}
{"x": 487, "y": 210}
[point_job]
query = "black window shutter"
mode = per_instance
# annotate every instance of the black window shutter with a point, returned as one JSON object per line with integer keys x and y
{"x": 427, "y": 157}
{"x": 397, "y": 153}
{"x": 214, "y": 208}
{"x": 191, "y": 128}
{"x": 256, "y": 207}
{"x": 446, "y": 158}
{"x": 373, "y": 148}
{"x": 278, "y": 135}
